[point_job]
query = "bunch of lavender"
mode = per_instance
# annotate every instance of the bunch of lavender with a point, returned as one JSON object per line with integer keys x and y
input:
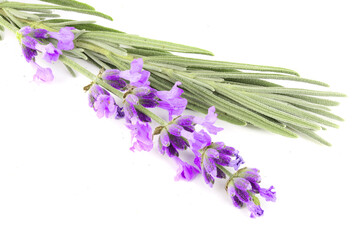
{"x": 242, "y": 93}
{"x": 136, "y": 97}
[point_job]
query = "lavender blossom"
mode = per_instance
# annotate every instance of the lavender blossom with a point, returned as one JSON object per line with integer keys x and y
{"x": 51, "y": 54}
{"x": 171, "y": 100}
{"x": 43, "y": 74}
{"x": 136, "y": 75}
{"x": 112, "y": 77}
{"x": 208, "y": 121}
{"x": 243, "y": 186}
{"x": 65, "y": 38}
{"x": 31, "y": 44}
{"x": 141, "y": 136}
{"x": 102, "y": 102}
{"x": 185, "y": 170}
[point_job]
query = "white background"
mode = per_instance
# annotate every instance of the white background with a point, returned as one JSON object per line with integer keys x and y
{"x": 65, "y": 174}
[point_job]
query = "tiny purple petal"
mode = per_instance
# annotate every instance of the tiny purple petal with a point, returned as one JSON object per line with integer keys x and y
{"x": 207, "y": 177}
{"x": 65, "y": 38}
{"x": 40, "y": 33}
{"x": 143, "y": 117}
{"x": 25, "y": 30}
{"x": 164, "y": 138}
{"x": 43, "y": 74}
{"x": 171, "y": 100}
{"x": 132, "y": 99}
{"x": 255, "y": 210}
{"x": 208, "y": 121}
{"x": 141, "y": 136}
{"x": 51, "y": 54}
{"x": 209, "y": 166}
{"x": 185, "y": 171}
{"x": 242, "y": 184}
{"x": 104, "y": 105}
{"x": 112, "y": 77}
{"x": 119, "y": 112}
{"x": 28, "y": 53}
{"x": 268, "y": 194}
{"x": 29, "y": 42}
{"x": 136, "y": 76}
{"x": 175, "y": 130}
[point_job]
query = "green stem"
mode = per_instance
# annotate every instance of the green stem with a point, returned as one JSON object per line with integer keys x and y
{"x": 67, "y": 61}
{"x": 227, "y": 172}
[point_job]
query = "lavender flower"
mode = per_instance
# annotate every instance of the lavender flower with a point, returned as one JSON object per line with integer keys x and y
{"x": 102, "y": 102}
{"x": 185, "y": 171}
{"x": 43, "y": 74}
{"x": 208, "y": 121}
{"x": 171, "y": 100}
{"x": 141, "y": 136}
{"x": 31, "y": 44}
{"x": 112, "y": 77}
{"x": 136, "y": 75}
{"x": 51, "y": 54}
{"x": 65, "y": 38}
{"x": 242, "y": 188}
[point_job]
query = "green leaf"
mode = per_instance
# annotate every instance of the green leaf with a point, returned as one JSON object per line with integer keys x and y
{"x": 293, "y": 100}
{"x": 71, "y": 71}
{"x": 23, "y": 15}
{"x": 37, "y": 7}
{"x": 96, "y": 60}
{"x": 117, "y": 51}
{"x": 70, "y": 3}
{"x": 266, "y": 109}
{"x": 70, "y": 23}
{"x": 216, "y": 65}
{"x": 282, "y": 90}
{"x": 285, "y": 107}
{"x": 323, "y": 113}
{"x": 310, "y": 134}
{"x": 136, "y": 41}
{"x": 241, "y": 75}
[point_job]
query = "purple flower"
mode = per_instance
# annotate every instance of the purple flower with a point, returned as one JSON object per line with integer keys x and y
{"x": 119, "y": 112}
{"x": 102, "y": 102}
{"x": 136, "y": 75}
{"x": 171, "y": 100}
{"x": 141, "y": 136}
{"x": 208, "y": 121}
{"x": 51, "y": 54}
{"x": 112, "y": 77}
{"x": 242, "y": 188}
{"x": 104, "y": 106}
{"x": 28, "y": 53}
{"x": 43, "y": 74}
{"x": 268, "y": 194}
{"x": 65, "y": 38}
{"x": 185, "y": 171}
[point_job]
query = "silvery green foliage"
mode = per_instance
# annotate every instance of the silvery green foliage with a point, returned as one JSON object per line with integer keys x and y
{"x": 242, "y": 93}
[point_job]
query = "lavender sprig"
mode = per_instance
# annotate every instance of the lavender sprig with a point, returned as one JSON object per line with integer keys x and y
{"x": 211, "y": 159}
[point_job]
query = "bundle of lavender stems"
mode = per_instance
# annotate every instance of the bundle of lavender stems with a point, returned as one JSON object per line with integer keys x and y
{"x": 138, "y": 74}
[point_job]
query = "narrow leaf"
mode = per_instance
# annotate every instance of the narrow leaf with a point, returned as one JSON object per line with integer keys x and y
{"x": 70, "y": 3}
